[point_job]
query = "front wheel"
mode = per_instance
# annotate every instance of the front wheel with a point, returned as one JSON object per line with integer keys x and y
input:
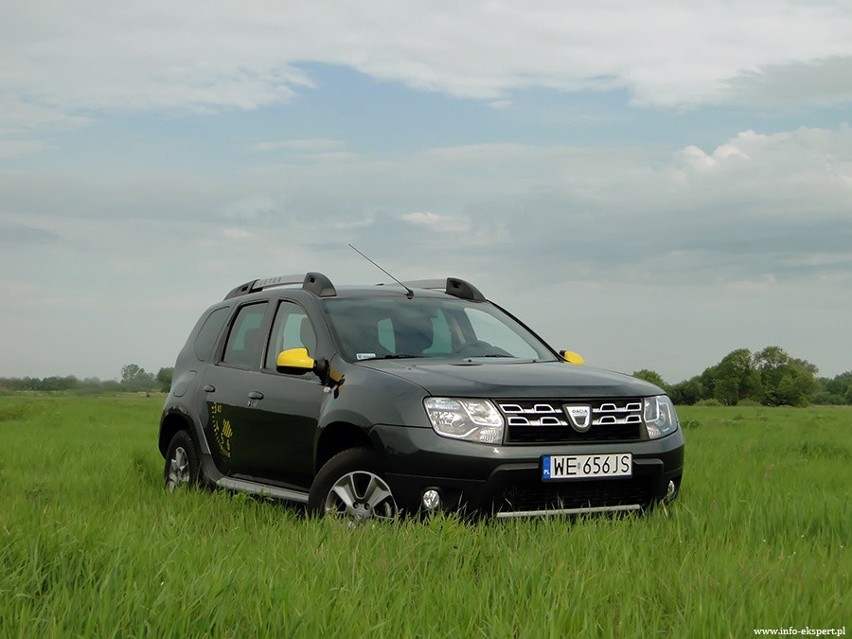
{"x": 351, "y": 486}
{"x": 182, "y": 463}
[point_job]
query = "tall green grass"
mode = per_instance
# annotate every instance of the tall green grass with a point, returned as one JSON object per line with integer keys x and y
{"x": 90, "y": 545}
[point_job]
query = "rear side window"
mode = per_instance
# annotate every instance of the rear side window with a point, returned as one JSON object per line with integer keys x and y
{"x": 246, "y": 338}
{"x": 206, "y": 338}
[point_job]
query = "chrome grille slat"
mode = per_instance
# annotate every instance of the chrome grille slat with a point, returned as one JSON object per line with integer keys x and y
{"x": 545, "y": 408}
{"x": 610, "y": 413}
{"x": 610, "y": 407}
{"x": 534, "y": 414}
{"x": 612, "y": 419}
{"x": 546, "y": 421}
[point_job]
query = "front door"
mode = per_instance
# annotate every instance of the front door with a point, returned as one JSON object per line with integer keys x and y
{"x": 262, "y": 423}
{"x": 285, "y": 418}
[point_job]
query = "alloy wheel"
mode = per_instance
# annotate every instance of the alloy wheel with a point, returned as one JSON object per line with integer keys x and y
{"x": 360, "y": 496}
{"x": 178, "y": 469}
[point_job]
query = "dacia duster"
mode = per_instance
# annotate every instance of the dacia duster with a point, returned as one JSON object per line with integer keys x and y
{"x": 371, "y": 401}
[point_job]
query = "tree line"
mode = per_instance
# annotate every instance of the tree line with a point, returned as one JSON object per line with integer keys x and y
{"x": 770, "y": 377}
{"x": 133, "y": 379}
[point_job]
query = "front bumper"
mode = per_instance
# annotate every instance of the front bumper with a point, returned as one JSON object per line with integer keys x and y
{"x": 506, "y": 480}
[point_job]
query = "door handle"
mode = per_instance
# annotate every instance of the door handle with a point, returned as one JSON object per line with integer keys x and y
{"x": 255, "y": 395}
{"x": 209, "y": 388}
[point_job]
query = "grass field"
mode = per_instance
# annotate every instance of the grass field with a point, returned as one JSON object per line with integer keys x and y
{"x": 90, "y": 545}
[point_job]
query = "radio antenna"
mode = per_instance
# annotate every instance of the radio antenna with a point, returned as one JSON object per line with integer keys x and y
{"x": 409, "y": 293}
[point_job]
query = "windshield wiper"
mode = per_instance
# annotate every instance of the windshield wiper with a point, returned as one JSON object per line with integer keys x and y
{"x": 397, "y": 356}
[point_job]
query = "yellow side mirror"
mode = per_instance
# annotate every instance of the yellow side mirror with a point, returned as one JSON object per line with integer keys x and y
{"x": 294, "y": 360}
{"x": 571, "y": 357}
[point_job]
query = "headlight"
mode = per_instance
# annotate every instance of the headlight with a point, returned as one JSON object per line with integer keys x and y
{"x": 475, "y": 420}
{"x": 660, "y": 416}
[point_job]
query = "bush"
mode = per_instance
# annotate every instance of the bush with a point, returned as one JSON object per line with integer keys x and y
{"x": 708, "y": 402}
{"x": 829, "y": 399}
{"x": 748, "y": 402}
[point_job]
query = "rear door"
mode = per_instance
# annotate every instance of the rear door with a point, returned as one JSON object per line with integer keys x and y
{"x": 229, "y": 386}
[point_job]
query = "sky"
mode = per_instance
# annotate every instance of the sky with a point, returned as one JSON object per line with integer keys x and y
{"x": 650, "y": 184}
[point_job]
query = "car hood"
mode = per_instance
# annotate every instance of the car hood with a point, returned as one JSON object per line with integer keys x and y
{"x": 519, "y": 380}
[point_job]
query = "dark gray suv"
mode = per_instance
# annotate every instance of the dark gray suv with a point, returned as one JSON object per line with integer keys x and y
{"x": 371, "y": 401}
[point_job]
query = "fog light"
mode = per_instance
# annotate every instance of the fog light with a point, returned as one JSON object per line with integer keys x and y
{"x": 671, "y": 489}
{"x": 431, "y": 499}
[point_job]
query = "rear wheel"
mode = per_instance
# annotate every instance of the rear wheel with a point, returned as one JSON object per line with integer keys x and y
{"x": 351, "y": 486}
{"x": 182, "y": 463}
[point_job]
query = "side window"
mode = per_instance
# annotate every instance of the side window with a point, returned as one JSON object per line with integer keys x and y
{"x": 206, "y": 337}
{"x": 291, "y": 329}
{"x": 246, "y": 340}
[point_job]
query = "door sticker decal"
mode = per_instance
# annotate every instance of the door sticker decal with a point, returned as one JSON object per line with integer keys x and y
{"x": 222, "y": 430}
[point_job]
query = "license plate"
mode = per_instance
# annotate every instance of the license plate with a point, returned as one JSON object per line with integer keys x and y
{"x": 584, "y": 466}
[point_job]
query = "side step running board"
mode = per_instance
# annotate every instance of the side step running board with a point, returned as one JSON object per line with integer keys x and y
{"x": 264, "y": 490}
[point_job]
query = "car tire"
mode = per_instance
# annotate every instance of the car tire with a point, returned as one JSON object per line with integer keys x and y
{"x": 182, "y": 463}
{"x": 351, "y": 485}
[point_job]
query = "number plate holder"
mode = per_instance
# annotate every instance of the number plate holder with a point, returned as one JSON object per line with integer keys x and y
{"x": 562, "y": 467}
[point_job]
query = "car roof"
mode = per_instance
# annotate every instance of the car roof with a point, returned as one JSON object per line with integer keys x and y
{"x": 321, "y": 286}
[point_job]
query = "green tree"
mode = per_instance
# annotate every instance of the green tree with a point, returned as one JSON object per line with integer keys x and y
{"x": 785, "y": 379}
{"x": 653, "y": 377}
{"x": 726, "y": 391}
{"x": 164, "y": 378}
{"x": 56, "y": 383}
{"x": 840, "y": 384}
{"x": 837, "y": 390}
{"x": 687, "y": 392}
{"x": 707, "y": 379}
{"x": 135, "y": 378}
{"x": 735, "y": 378}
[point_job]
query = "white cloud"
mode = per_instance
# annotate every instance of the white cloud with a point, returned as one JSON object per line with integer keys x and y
{"x": 62, "y": 60}
{"x": 19, "y": 116}
{"x": 744, "y": 242}
{"x": 12, "y": 148}
{"x": 780, "y": 176}
{"x": 818, "y": 82}
{"x": 251, "y": 206}
{"x": 436, "y": 222}
{"x": 308, "y": 145}
{"x": 236, "y": 234}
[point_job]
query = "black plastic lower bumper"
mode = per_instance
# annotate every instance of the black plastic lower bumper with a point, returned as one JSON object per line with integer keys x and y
{"x": 507, "y": 479}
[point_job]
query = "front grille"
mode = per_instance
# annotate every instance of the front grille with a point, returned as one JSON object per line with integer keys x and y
{"x": 546, "y": 421}
{"x": 537, "y": 495}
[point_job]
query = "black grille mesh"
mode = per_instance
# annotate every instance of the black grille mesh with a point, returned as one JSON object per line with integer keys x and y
{"x": 537, "y": 495}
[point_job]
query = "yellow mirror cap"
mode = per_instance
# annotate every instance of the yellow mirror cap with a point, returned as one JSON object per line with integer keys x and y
{"x": 295, "y": 358}
{"x": 571, "y": 357}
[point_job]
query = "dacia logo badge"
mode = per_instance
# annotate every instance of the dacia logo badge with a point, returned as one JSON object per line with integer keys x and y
{"x": 580, "y": 416}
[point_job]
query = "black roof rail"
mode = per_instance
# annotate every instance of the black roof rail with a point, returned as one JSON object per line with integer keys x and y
{"x": 315, "y": 283}
{"x": 451, "y": 286}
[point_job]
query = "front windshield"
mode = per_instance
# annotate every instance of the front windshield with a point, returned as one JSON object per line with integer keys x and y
{"x": 397, "y": 327}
